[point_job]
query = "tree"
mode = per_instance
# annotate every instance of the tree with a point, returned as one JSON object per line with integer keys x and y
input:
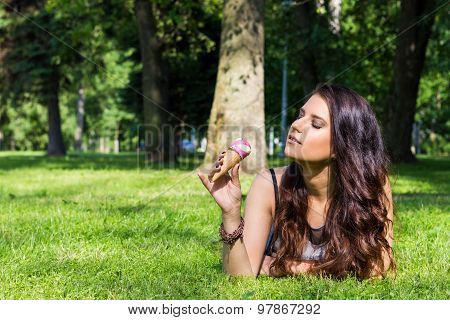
{"x": 50, "y": 93}
{"x": 238, "y": 106}
{"x": 416, "y": 20}
{"x": 33, "y": 63}
{"x": 40, "y": 57}
{"x": 334, "y": 8}
{"x": 78, "y": 136}
{"x": 154, "y": 81}
{"x": 432, "y": 111}
{"x": 305, "y": 21}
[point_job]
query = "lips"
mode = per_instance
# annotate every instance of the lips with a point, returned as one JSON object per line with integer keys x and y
{"x": 293, "y": 139}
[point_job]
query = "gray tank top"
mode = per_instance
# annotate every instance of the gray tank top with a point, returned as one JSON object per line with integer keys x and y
{"x": 313, "y": 250}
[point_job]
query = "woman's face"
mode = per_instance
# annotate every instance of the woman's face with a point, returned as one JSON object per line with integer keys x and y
{"x": 309, "y": 138}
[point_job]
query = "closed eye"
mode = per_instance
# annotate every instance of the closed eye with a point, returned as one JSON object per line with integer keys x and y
{"x": 302, "y": 113}
{"x": 313, "y": 124}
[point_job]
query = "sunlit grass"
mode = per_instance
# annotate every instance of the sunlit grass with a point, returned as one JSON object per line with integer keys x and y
{"x": 95, "y": 227}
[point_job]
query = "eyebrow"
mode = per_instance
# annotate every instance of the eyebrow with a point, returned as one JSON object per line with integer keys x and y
{"x": 313, "y": 115}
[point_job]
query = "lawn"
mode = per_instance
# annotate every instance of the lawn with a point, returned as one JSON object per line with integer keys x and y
{"x": 95, "y": 227}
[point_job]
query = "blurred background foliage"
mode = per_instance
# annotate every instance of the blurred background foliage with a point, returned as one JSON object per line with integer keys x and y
{"x": 94, "y": 45}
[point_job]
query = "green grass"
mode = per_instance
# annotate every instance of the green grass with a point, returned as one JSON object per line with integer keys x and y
{"x": 94, "y": 227}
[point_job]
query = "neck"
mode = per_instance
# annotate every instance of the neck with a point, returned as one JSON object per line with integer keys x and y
{"x": 317, "y": 180}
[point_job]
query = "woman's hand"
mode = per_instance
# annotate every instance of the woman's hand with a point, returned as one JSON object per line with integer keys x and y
{"x": 226, "y": 190}
{"x": 293, "y": 266}
{"x": 299, "y": 266}
{"x": 265, "y": 267}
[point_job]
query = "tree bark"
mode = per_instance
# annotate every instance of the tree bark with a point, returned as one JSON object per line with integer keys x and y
{"x": 117, "y": 140}
{"x": 238, "y": 106}
{"x": 409, "y": 61}
{"x": 80, "y": 120}
{"x": 55, "y": 139}
{"x": 334, "y": 8}
{"x": 305, "y": 16}
{"x": 154, "y": 83}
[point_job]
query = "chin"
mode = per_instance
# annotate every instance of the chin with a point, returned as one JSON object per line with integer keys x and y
{"x": 291, "y": 154}
{"x": 287, "y": 152}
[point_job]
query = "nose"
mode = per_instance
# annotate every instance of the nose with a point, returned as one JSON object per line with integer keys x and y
{"x": 297, "y": 125}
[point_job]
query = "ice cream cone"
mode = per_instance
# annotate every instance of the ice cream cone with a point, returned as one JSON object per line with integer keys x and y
{"x": 239, "y": 149}
{"x": 230, "y": 159}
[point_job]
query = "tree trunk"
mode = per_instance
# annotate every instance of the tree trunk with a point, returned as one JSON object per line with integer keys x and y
{"x": 104, "y": 144}
{"x": 55, "y": 139}
{"x": 409, "y": 62}
{"x": 305, "y": 17}
{"x": 12, "y": 144}
{"x": 334, "y": 8}
{"x": 117, "y": 140}
{"x": 238, "y": 106}
{"x": 80, "y": 121}
{"x": 154, "y": 83}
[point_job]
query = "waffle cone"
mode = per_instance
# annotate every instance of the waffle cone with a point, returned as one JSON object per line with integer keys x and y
{"x": 230, "y": 159}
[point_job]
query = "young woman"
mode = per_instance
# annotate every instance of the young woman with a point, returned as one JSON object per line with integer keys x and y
{"x": 329, "y": 212}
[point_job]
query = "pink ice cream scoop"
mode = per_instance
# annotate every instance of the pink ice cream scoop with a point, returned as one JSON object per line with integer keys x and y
{"x": 242, "y": 147}
{"x": 238, "y": 150}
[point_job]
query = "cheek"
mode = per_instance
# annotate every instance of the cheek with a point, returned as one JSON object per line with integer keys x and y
{"x": 318, "y": 142}
{"x": 317, "y": 137}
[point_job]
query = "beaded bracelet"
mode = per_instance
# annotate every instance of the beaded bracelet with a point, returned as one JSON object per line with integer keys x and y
{"x": 230, "y": 238}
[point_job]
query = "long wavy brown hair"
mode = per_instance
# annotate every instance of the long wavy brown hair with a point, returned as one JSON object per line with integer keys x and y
{"x": 356, "y": 225}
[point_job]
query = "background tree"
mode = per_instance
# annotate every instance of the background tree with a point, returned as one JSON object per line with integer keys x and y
{"x": 409, "y": 61}
{"x": 154, "y": 81}
{"x": 238, "y": 107}
{"x": 47, "y": 39}
{"x": 306, "y": 20}
{"x": 432, "y": 113}
{"x": 356, "y": 47}
{"x": 33, "y": 62}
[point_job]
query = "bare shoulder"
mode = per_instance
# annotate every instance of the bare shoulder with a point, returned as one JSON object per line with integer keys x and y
{"x": 279, "y": 171}
{"x": 262, "y": 188}
{"x": 262, "y": 182}
{"x": 264, "y": 178}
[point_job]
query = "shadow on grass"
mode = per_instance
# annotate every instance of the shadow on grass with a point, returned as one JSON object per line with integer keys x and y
{"x": 423, "y": 168}
{"x": 427, "y": 196}
{"x": 93, "y": 161}
{"x": 143, "y": 222}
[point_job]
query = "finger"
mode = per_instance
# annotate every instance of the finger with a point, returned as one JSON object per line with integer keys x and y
{"x": 205, "y": 181}
{"x": 216, "y": 167}
{"x": 212, "y": 173}
{"x": 235, "y": 175}
{"x": 218, "y": 163}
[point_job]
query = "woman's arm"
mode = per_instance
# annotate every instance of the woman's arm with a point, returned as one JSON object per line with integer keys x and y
{"x": 389, "y": 204}
{"x": 390, "y": 234}
{"x": 246, "y": 255}
{"x": 296, "y": 267}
